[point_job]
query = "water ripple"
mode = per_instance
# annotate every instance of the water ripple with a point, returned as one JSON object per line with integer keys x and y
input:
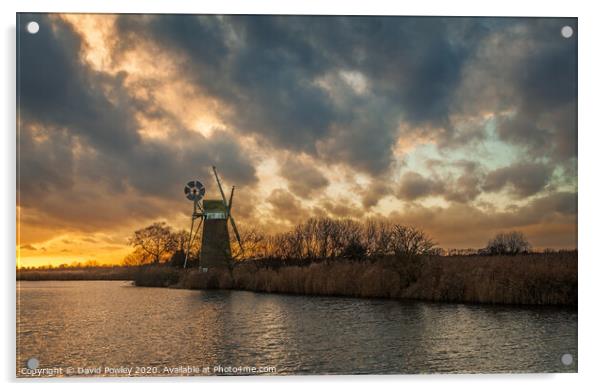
{"x": 75, "y": 324}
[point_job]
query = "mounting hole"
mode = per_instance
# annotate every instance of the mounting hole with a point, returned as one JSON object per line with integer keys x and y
{"x": 33, "y": 27}
{"x": 33, "y": 363}
{"x": 567, "y": 359}
{"x": 566, "y": 31}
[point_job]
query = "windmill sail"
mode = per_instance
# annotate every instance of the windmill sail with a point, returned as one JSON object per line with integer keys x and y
{"x": 228, "y": 208}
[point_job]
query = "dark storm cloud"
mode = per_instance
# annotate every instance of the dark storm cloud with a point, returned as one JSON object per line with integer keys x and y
{"x": 465, "y": 188}
{"x": 156, "y": 168}
{"x": 283, "y": 80}
{"x": 339, "y": 209}
{"x": 462, "y": 187}
{"x": 530, "y": 70}
{"x": 541, "y": 209}
{"x": 286, "y": 206}
{"x": 365, "y": 144}
{"x": 267, "y": 68}
{"x": 267, "y": 77}
{"x": 468, "y": 185}
{"x": 55, "y": 88}
{"x": 45, "y": 165}
{"x": 302, "y": 177}
{"x": 417, "y": 61}
{"x": 78, "y": 126}
{"x": 542, "y": 216}
{"x": 372, "y": 194}
{"x": 525, "y": 179}
{"x": 51, "y": 178}
{"x": 414, "y": 186}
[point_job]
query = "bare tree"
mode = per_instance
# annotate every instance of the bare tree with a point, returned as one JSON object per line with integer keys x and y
{"x": 327, "y": 238}
{"x": 378, "y": 235}
{"x": 157, "y": 240}
{"x": 409, "y": 245}
{"x": 353, "y": 240}
{"x": 253, "y": 243}
{"x": 410, "y": 242}
{"x": 137, "y": 257}
{"x": 508, "y": 243}
{"x": 180, "y": 240}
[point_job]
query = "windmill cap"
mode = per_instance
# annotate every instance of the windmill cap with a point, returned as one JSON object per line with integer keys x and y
{"x": 214, "y": 206}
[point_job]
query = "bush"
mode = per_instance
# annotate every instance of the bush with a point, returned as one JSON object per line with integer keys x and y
{"x": 157, "y": 276}
{"x": 508, "y": 243}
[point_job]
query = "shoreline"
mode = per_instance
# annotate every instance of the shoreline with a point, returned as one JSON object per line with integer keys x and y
{"x": 529, "y": 279}
{"x": 497, "y": 305}
{"x": 493, "y": 305}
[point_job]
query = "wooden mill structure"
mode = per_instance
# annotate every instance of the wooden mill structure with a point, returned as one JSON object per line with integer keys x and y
{"x": 211, "y": 218}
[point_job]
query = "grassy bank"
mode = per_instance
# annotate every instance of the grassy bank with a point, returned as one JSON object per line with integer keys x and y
{"x": 534, "y": 279}
{"x": 84, "y": 273}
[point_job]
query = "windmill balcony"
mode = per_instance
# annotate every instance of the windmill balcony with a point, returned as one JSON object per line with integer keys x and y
{"x": 215, "y": 215}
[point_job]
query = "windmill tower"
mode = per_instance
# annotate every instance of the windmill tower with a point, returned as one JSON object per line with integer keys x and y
{"x": 213, "y": 216}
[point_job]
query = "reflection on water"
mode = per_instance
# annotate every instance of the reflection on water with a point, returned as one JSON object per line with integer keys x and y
{"x": 113, "y": 324}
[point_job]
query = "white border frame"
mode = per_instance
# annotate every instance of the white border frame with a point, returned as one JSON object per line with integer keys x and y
{"x": 590, "y": 270}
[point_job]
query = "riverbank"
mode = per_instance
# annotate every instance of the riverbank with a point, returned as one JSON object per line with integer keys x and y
{"x": 104, "y": 273}
{"x": 531, "y": 279}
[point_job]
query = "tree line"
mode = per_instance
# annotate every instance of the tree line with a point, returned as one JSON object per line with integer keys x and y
{"x": 314, "y": 239}
{"x": 326, "y": 238}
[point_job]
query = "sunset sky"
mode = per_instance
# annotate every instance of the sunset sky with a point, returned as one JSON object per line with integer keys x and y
{"x": 463, "y": 127}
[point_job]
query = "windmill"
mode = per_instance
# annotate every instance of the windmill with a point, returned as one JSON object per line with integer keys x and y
{"x": 213, "y": 216}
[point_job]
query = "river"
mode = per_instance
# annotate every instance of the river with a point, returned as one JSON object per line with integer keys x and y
{"x": 109, "y": 327}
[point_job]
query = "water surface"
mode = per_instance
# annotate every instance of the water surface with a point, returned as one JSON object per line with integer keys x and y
{"x": 111, "y": 324}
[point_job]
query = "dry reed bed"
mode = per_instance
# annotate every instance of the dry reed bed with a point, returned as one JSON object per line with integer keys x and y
{"x": 534, "y": 279}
